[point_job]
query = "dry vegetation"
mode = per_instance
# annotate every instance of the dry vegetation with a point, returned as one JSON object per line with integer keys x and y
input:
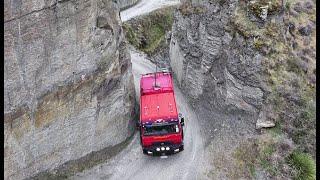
{"x": 188, "y": 9}
{"x": 289, "y": 67}
{"x": 147, "y": 33}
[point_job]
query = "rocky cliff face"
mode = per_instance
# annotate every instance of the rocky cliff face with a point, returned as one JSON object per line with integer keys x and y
{"x": 213, "y": 66}
{"x": 247, "y": 65}
{"x": 68, "y": 83}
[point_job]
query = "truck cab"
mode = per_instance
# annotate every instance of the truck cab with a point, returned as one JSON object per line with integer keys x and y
{"x": 160, "y": 125}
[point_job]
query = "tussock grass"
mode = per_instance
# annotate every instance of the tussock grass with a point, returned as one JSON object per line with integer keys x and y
{"x": 304, "y": 165}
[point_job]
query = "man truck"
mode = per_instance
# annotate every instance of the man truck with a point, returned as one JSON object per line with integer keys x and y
{"x": 160, "y": 125}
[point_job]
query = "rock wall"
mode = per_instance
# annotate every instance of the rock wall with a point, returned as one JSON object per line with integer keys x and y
{"x": 68, "y": 83}
{"x": 124, "y": 4}
{"x": 215, "y": 67}
{"x": 247, "y": 65}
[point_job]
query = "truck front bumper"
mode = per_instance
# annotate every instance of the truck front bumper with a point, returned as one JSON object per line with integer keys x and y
{"x": 164, "y": 149}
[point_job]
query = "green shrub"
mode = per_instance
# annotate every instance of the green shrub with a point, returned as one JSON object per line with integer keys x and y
{"x": 147, "y": 33}
{"x": 303, "y": 164}
{"x": 293, "y": 66}
{"x": 256, "y": 154}
{"x": 288, "y": 6}
{"x": 131, "y": 35}
{"x": 258, "y": 43}
{"x": 277, "y": 129}
{"x": 266, "y": 152}
{"x": 246, "y": 156}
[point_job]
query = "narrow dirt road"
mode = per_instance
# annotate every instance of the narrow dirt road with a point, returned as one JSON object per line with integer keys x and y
{"x": 132, "y": 164}
{"x": 144, "y": 7}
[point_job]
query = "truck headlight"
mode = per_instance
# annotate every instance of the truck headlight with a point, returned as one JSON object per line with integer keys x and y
{"x": 167, "y": 148}
{"x": 158, "y": 149}
{"x": 162, "y": 148}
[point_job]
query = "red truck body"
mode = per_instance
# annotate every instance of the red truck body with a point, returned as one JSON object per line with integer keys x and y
{"x": 161, "y": 131}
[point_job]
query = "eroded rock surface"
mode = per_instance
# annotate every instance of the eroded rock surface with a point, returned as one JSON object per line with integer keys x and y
{"x": 235, "y": 63}
{"x": 219, "y": 71}
{"x": 212, "y": 65}
{"x": 68, "y": 83}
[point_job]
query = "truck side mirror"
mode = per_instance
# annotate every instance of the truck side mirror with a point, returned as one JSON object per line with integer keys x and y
{"x": 182, "y": 121}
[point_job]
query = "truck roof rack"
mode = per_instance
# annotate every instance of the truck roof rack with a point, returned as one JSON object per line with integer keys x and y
{"x": 163, "y": 80}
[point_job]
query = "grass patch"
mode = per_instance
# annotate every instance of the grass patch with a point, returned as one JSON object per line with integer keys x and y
{"x": 147, "y": 33}
{"x": 303, "y": 164}
{"x": 266, "y": 152}
{"x": 246, "y": 156}
{"x": 188, "y": 9}
{"x": 131, "y": 35}
{"x": 156, "y": 36}
{"x": 256, "y": 154}
{"x": 293, "y": 66}
{"x": 243, "y": 25}
{"x": 276, "y": 130}
{"x": 269, "y": 167}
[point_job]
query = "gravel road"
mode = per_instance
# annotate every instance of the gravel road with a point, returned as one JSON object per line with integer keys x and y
{"x": 144, "y": 7}
{"x": 132, "y": 164}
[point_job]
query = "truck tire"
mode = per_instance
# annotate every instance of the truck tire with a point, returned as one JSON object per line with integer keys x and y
{"x": 144, "y": 151}
{"x": 140, "y": 140}
{"x": 182, "y": 134}
{"x": 181, "y": 148}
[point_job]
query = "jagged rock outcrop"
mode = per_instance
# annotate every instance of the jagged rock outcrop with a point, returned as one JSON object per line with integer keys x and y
{"x": 68, "y": 83}
{"x": 215, "y": 66}
{"x": 161, "y": 58}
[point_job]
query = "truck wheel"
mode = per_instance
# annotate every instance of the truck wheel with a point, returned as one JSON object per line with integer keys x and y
{"x": 140, "y": 140}
{"x": 181, "y": 148}
{"x": 144, "y": 151}
{"x": 182, "y": 134}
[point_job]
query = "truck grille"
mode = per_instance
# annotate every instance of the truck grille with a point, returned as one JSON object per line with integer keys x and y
{"x": 162, "y": 143}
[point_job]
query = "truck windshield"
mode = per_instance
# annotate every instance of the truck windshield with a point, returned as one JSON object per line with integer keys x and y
{"x": 161, "y": 129}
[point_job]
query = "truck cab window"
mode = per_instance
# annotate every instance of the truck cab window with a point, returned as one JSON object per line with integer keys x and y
{"x": 161, "y": 130}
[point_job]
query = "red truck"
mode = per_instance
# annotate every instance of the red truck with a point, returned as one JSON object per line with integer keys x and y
{"x": 160, "y": 125}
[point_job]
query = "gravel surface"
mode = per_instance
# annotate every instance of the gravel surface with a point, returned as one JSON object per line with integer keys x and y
{"x": 144, "y": 7}
{"x": 132, "y": 164}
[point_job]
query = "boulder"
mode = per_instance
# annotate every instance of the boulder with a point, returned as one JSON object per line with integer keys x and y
{"x": 263, "y": 122}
